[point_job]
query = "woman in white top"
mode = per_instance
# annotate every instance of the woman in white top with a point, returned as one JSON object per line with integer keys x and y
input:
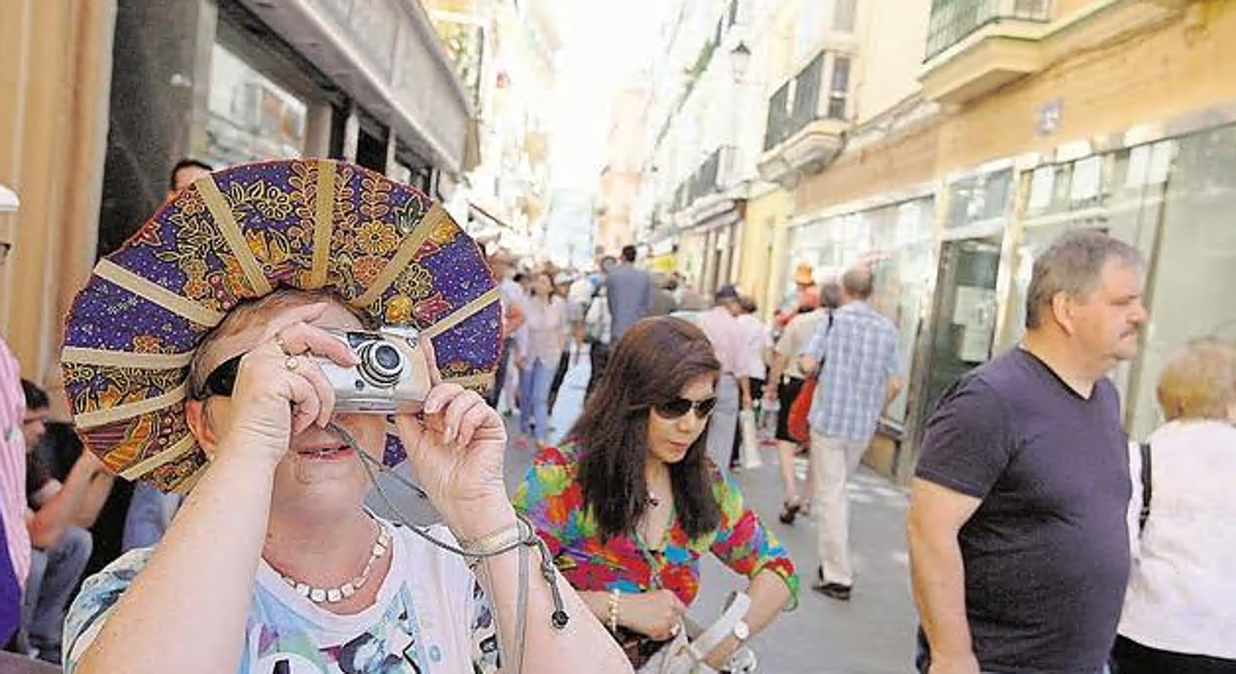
{"x": 1180, "y": 609}
{"x": 547, "y": 334}
{"x": 280, "y": 514}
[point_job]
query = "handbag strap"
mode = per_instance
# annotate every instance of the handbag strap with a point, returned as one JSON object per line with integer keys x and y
{"x": 701, "y": 646}
{"x": 1147, "y": 488}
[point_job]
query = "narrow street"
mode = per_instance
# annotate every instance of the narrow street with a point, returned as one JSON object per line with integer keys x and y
{"x": 871, "y": 634}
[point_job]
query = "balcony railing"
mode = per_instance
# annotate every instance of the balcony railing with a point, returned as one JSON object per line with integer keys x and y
{"x": 954, "y": 20}
{"x": 707, "y": 178}
{"x": 801, "y": 100}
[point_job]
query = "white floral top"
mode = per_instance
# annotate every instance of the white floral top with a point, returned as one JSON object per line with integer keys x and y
{"x": 430, "y": 615}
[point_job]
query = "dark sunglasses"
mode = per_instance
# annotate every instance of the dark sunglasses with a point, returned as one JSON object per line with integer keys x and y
{"x": 221, "y": 380}
{"x": 680, "y": 406}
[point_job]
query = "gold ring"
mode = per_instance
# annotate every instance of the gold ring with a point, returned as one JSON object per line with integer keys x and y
{"x": 291, "y": 363}
{"x": 283, "y": 346}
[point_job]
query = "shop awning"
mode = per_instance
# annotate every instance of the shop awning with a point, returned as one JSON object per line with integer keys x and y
{"x": 8, "y": 200}
{"x": 386, "y": 55}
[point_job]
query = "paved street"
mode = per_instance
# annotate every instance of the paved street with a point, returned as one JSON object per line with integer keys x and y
{"x": 872, "y": 634}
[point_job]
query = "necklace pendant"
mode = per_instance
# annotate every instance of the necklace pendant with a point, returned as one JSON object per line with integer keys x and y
{"x": 317, "y": 595}
{"x": 333, "y": 595}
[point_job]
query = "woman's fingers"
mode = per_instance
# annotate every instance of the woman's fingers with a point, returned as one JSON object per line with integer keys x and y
{"x": 322, "y": 387}
{"x": 300, "y": 338}
{"x": 435, "y": 376}
{"x": 474, "y": 416}
{"x": 306, "y": 405}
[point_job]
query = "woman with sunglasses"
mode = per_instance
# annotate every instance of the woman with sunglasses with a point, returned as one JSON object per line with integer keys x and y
{"x": 630, "y": 502}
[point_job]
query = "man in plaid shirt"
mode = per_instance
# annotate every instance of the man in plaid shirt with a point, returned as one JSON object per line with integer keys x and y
{"x": 856, "y": 356}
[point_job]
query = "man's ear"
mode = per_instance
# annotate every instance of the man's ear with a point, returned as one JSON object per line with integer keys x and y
{"x": 199, "y": 424}
{"x": 1062, "y": 311}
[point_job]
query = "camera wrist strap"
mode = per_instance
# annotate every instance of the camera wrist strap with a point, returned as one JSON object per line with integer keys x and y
{"x": 527, "y": 539}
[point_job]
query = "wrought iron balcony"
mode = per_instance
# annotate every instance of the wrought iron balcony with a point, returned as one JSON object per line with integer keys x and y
{"x": 807, "y": 119}
{"x": 954, "y": 20}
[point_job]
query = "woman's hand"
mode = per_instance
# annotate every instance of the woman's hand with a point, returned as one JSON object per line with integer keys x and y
{"x": 456, "y": 452}
{"x": 280, "y": 390}
{"x": 657, "y": 613}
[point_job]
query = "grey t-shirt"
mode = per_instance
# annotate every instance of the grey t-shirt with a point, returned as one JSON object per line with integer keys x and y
{"x": 1046, "y": 554}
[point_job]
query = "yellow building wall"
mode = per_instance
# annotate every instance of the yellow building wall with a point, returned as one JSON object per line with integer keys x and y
{"x": 1151, "y": 77}
{"x": 887, "y": 70}
{"x": 55, "y": 73}
{"x": 902, "y": 160}
{"x": 762, "y": 263}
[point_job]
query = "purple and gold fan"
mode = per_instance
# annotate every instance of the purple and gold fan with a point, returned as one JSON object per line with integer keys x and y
{"x": 237, "y": 235}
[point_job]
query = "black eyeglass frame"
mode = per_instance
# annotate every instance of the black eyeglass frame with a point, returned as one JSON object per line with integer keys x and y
{"x": 674, "y": 409}
{"x": 221, "y": 381}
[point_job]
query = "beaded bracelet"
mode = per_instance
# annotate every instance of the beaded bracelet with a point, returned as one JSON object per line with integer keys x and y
{"x": 614, "y": 595}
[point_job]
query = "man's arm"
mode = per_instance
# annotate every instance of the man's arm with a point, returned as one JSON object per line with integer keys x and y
{"x": 809, "y": 357}
{"x": 936, "y": 516}
{"x": 61, "y": 508}
{"x": 892, "y": 389}
{"x": 514, "y": 318}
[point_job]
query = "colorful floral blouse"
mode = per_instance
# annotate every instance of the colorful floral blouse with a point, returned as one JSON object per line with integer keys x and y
{"x": 553, "y": 501}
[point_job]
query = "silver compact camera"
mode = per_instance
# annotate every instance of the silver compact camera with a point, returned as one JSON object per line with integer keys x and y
{"x": 392, "y": 376}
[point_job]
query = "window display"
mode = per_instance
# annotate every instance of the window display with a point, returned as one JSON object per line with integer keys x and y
{"x": 250, "y": 117}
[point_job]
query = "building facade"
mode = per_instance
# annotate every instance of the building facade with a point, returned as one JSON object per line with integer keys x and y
{"x": 1031, "y": 118}
{"x": 621, "y": 175}
{"x": 949, "y": 142}
{"x": 504, "y": 51}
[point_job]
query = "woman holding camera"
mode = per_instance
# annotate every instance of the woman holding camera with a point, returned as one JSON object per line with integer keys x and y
{"x": 629, "y": 503}
{"x": 274, "y": 564}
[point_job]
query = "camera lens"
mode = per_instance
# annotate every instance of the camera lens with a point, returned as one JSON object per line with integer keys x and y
{"x": 386, "y": 356}
{"x": 380, "y": 364}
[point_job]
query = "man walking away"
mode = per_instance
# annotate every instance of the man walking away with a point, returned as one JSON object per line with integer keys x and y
{"x": 729, "y": 340}
{"x": 856, "y": 357}
{"x": 1017, "y": 533}
{"x": 629, "y": 292}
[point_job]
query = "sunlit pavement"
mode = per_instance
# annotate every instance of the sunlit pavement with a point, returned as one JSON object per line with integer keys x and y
{"x": 871, "y": 634}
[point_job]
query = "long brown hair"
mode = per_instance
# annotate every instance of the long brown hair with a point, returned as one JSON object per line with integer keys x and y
{"x": 652, "y": 363}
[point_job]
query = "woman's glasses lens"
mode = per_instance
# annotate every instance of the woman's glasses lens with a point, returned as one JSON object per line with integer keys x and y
{"x": 680, "y": 406}
{"x": 222, "y": 379}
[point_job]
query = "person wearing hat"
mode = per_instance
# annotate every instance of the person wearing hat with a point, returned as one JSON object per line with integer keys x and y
{"x": 197, "y": 357}
{"x": 806, "y": 293}
{"x": 729, "y": 339}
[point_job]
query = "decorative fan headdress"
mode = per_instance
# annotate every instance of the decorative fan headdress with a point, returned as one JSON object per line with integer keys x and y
{"x": 237, "y": 235}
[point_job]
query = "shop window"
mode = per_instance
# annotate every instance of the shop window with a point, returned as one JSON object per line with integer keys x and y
{"x": 250, "y": 117}
{"x": 979, "y": 198}
{"x": 1196, "y": 262}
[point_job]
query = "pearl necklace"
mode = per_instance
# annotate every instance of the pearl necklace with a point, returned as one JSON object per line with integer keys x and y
{"x": 332, "y": 595}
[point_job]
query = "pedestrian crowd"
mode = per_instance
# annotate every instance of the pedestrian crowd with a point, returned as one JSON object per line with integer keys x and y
{"x": 1041, "y": 539}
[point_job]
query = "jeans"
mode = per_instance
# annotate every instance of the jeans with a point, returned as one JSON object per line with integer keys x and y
{"x": 534, "y": 382}
{"x": 53, "y": 576}
{"x": 149, "y": 515}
